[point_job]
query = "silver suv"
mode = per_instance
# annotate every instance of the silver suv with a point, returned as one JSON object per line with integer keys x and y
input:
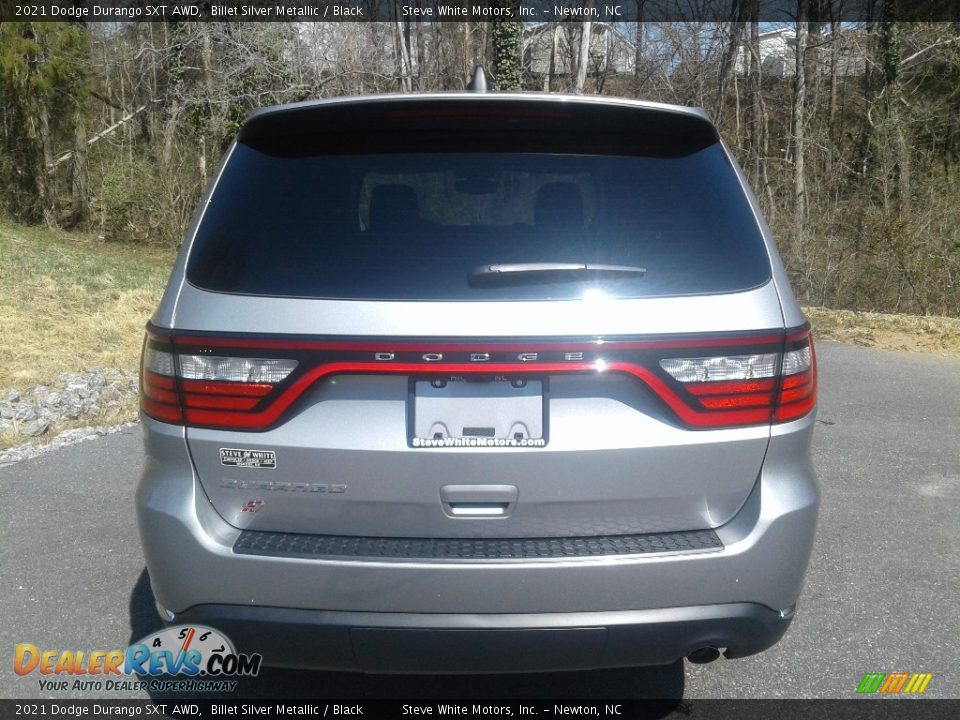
{"x": 479, "y": 383}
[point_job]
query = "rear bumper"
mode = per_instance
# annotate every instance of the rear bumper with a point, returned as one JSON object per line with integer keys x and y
{"x": 456, "y": 643}
{"x": 560, "y": 613}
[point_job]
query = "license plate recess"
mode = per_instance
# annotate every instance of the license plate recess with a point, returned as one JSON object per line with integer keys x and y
{"x": 496, "y": 408}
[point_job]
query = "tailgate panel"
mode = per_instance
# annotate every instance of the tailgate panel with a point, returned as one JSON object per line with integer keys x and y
{"x": 614, "y": 465}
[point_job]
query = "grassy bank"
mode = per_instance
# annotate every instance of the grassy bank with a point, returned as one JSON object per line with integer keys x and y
{"x": 936, "y": 335}
{"x": 70, "y": 302}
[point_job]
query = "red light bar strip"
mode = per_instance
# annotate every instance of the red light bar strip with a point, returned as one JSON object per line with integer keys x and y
{"x": 725, "y": 404}
{"x": 269, "y": 415}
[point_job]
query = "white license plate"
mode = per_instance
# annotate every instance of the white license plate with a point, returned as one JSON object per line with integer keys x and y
{"x": 498, "y": 408}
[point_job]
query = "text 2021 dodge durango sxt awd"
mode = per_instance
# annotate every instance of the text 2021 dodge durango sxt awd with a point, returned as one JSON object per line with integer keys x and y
{"x": 479, "y": 383}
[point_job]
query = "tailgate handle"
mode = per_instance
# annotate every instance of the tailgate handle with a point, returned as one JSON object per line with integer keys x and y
{"x": 478, "y": 500}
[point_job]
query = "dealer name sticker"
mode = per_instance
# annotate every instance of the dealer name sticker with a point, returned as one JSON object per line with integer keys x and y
{"x": 256, "y": 459}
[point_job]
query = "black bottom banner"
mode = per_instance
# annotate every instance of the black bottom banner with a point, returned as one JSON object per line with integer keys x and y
{"x": 732, "y": 709}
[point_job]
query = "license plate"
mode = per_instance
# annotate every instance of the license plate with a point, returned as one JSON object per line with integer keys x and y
{"x": 453, "y": 411}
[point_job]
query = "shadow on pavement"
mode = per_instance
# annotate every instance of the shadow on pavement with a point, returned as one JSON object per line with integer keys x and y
{"x": 660, "y": 683}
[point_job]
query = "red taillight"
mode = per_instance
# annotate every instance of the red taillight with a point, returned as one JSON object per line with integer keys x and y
{"x": 200, "y": 388}
{"x": 222, "y": 395}
{"x": 725, "y": 388}
{"x": 158, "y": 389}
{"x": 774, "y": 386}
{"x": 219, "y": 403}
{"x": 226, "y": 388}
{"x": 798, "y": 384}
{"x": 736, "y": 401}
{"x": 720, "y": 381}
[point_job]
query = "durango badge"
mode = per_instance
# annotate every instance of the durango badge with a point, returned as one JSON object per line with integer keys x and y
{"x": 257, "y": 459}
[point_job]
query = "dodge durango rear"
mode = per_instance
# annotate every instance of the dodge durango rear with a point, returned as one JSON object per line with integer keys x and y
{"x": 479, "y": 383}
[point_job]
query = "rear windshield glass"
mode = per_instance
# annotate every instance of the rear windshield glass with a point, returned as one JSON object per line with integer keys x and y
{"x": 396, "y": 226}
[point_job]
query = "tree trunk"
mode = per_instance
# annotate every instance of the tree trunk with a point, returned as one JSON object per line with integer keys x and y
{"x": 46, "y": 158}
{"x": 468, "y": 59}
{"x": 403, "y": 57}
{"x": 834, "y": 71}
{"x": 754, "y": 106}
{"x": 728, "y": 63}
{"x": 892, "y": 49}
{"x": 170, "y": 133}
{"x": 421, "y": 54}
{"x": 638, "y": 48}
{"x": 583, "y": 57}
{"x": 554, "y": 51}
{"x": 799, "y": 139}
{"x": 78, "y": 174}
{"x": 203, "y": 162}
{"x": 206, "y": 56}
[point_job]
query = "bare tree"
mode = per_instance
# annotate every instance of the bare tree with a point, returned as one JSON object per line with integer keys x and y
{"x": 583, "y": 56}
{"x": 799, "y": 102}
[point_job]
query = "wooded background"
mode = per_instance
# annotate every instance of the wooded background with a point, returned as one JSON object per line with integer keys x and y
{"x": 847, "y": 132}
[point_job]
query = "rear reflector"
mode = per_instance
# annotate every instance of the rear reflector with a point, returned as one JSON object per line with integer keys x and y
{"x": 776, "y": 387}
{"x": 251, "y": 384}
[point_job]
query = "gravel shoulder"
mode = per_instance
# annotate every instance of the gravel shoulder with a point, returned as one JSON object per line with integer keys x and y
{"x": 65, "y": 410}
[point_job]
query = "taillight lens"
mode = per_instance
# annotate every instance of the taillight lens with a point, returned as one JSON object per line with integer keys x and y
{"x": 159, "y": 396}
{"x": 798, "y": 380}
{"x": 207, "y": 390}
{"x": 731, "y": 390}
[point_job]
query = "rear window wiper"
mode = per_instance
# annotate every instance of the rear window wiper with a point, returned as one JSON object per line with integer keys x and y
{"x": 545, "y": 272}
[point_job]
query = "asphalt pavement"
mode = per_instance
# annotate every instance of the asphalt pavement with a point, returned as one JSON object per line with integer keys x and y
{"x": 881, "y": 595}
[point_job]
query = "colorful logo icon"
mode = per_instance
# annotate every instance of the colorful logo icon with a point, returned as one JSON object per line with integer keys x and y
{"x": 894, "y": 683}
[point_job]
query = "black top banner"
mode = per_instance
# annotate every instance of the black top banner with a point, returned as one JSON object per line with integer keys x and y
{"x": 429, "y": 11}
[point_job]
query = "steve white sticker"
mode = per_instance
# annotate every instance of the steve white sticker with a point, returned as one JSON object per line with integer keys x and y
{"x": 257, "y": 459}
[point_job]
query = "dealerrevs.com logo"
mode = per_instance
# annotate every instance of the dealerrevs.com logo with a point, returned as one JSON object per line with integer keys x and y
{"x": 199, "y": 657}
